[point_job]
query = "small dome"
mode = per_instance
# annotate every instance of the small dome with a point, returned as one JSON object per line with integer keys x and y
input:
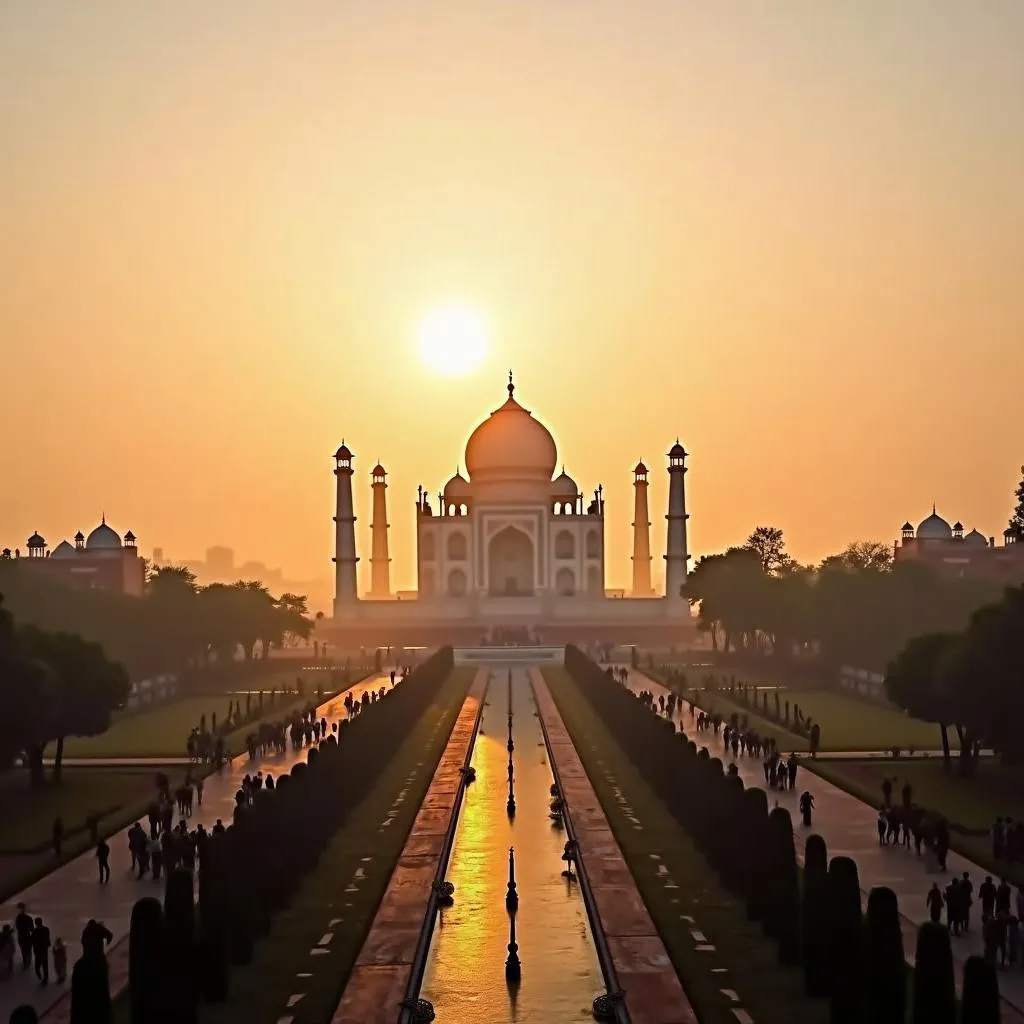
{"x": 958, "y": 527}
{"x": 63, "y": 550}
{"x": 907, "y": 528}
{"x": 129, "y": 537}
{"x": 79, "y": 537}
{"x": 640, "y": 468}
{"x": 378, "y": 470}
{"x": 103, "y": 538}
{"x": 934, "y": 528}
{"x": 36, "y": 541}
{"x": 457, "y": 489}
{"x": 563, "y": 486}
{"x": 343, "y": 453}
{"x": 976, "y": 540}
{"x": 677, "y": 451}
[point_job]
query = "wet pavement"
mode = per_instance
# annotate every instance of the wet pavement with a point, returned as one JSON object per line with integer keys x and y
{"x": 848, "y": 827}
{"x": 380, "y": 977}
{"x": 465, "y": 973}
{"x": 69, "y": 896}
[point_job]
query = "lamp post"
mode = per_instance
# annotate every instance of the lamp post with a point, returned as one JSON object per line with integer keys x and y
{"x": 512, "y": 897}
{"x": 513, "y": 966}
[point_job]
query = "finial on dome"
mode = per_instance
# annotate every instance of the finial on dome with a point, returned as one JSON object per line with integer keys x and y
{"x": 511, "y": 386}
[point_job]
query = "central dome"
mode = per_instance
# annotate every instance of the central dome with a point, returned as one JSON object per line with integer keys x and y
{"x": 511, "y": 445}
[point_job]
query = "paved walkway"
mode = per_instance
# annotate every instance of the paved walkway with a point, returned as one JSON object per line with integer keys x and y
{"x": 69, "y": 896}
{"x": 653, "y": 992}
{"x": 848, "y": 827}
{"x": 380, "y": 977}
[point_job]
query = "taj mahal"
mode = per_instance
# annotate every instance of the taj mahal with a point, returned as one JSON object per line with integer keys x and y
{"x": 510, "y": 549}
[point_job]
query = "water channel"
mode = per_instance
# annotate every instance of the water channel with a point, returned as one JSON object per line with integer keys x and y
{"x": 465, "y": 970}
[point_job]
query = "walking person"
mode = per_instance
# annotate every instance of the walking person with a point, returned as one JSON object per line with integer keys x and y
{"x": 60, "y": 961}
{"x": 103, "y": 860}
{"x": 806, "y": 806}
{"x": 41, "y": 950}
{"x": 23, "y": 926}
{"x": 934, "y": 902}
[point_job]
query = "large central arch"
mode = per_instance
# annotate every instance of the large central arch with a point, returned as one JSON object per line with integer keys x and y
{"x": 510, "y": 570}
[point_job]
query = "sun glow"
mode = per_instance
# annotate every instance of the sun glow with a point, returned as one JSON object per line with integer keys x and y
{"x": 452, "y": 340}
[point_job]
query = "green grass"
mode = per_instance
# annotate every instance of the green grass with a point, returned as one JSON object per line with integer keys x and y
{"x": 769, "y": 993}
{"x": 847, "y": 723}
{"x": 259, "y": 992}
{"x": 28, "y": 814}
{"x": 164, "y": 730}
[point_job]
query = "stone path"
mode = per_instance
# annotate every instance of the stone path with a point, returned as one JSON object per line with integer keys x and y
{"x": 69, "y": 896}
{"x": 848, "y": 827}
{"x": 654, "y": 994}
{"x": 379, "y": 979}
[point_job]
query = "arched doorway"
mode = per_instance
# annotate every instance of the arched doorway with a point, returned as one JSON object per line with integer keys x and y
{"x": 510, "y": 563}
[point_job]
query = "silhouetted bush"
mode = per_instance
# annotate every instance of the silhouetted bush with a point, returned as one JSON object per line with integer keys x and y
{"x": 934, "y": 987}
{"x": 815, "y": 918}
{"x": 146, "y": 965}
{"x": 90, "y": 990}
{"x": 846, "y": 945}
{"x": 784, "y": 891}
{"x": 980, "y": 996}
{"x": 886, "y": 971}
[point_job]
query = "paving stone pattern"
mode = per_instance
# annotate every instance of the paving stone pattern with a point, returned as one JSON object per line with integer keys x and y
{"x": 378, "y": 981}
{"x": 654, "y": 994}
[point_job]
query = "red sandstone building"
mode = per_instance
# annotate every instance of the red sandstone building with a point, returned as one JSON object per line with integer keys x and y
{"x": 101, "y": 561}
{"x": 950, "y": 551}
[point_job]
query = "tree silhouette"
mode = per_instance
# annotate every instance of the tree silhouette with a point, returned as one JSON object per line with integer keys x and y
{"x": 1017, "y": 519}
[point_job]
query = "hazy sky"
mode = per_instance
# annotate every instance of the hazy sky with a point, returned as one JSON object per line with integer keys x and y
{"x": 790, "y": 232}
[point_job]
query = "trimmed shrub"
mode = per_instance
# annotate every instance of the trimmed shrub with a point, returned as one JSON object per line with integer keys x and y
{"x": 146, "y": 975}
{"x": 846, "y": 945}
{"x": 885, "y": 964}
{"x": 180, "y": 945}
{"x": 934, "y": 987}
{"x": 90, "y": 991}
{"x": 752, "y": 834}
{"x": 815, "y": 918}
{"x": 980, "y": 996}
{"x": 784, "y": 887}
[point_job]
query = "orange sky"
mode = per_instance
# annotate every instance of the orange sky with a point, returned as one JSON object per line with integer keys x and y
{"x": 789, "y": 233}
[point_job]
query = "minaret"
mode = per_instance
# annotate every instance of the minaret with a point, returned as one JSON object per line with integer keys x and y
{"x": 676, "y": 555}
{"x": 641, "y": 535}
{"x": 345, "y": 594}
{"x": 380, "y": 571}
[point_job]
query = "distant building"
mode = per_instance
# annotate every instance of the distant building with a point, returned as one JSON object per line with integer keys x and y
{"x": 101, "y": 561}
{"x": 950, "y": 551}
{"x": 220, "y": 562}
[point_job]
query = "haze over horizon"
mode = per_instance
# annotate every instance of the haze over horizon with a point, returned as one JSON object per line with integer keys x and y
{"x": 788, "y": 234}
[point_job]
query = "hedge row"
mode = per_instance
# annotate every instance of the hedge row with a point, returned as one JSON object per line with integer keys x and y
{"x": 856, "y": 961}
{"x": 180, "y": 954}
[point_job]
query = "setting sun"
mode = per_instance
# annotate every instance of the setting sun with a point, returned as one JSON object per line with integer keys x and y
{"x": 452, "y": 340}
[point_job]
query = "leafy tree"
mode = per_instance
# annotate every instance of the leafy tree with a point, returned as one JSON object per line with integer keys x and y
{"x": 1017, "y": 519}
{"x": 770, "y": 546}
{"x": 81, "y": 689}
{"x": 862, "y": 555}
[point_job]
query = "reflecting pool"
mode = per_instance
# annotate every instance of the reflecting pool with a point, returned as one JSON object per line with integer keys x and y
{"x": 465, "y": 971}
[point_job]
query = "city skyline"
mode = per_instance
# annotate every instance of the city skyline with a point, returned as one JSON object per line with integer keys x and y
{"x": 787, "y": 235}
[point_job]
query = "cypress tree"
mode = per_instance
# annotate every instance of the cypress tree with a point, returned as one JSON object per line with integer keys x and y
{"x": 934, "y": 988}
{"x": 90, "y": 990}
{"x": 980, "y": 996}
{"x": 886, "y": 966}
{"x": 752, "y": 830}
{"x": 146, "y": 976}
{"x": 814, "y": 917}
{"x": 784, "y": 891}
{"x": 846, "y": 945}
{"x": 181, "y": 953}
{"x": 214, "y": 964}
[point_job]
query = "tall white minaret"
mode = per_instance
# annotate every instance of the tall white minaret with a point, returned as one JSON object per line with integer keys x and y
{"x": 380, "y": 563}
{"x": 676, "y": 555}
{"x": 346, "y": 596}
{"x": 641, "y": 535}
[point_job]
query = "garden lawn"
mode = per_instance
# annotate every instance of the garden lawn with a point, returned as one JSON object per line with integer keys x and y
{"x": 28, "y": 814}
{"x": 164, "y": 730}
{"x": 847, "y": 723}
{"x": 260, "y": 992}
{"x": 769, "y": 993}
